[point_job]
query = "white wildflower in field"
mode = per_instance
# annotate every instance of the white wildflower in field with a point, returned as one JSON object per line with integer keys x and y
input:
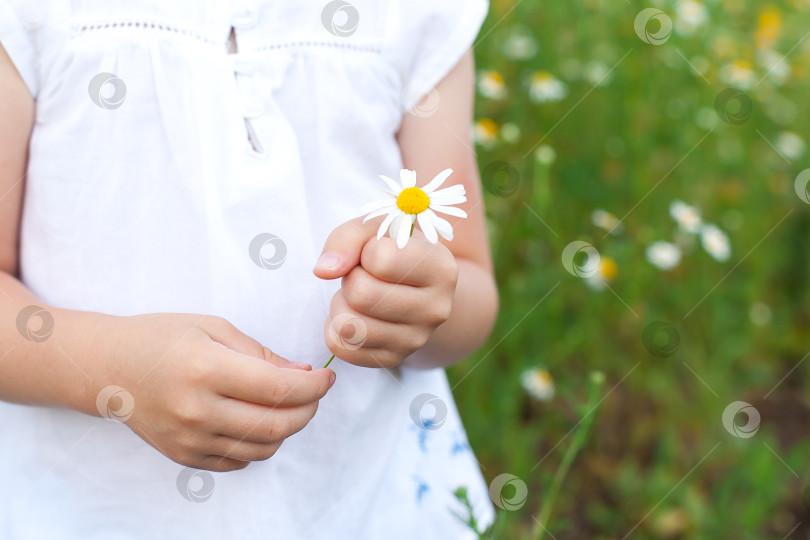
{"x": 663, "y": 255}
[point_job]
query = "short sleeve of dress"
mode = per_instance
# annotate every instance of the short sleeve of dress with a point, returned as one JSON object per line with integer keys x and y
{"x": 16, "y": 29}
{"x": 428, "y": 38}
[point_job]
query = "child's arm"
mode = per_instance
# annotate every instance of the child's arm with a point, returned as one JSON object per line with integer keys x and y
{"x": 203, "y": 393}
{"x": 409, "y": 300}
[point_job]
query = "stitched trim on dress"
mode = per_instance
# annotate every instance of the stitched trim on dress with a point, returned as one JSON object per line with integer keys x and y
{"x": 145, "y": 25}
{"x": 317, "y": 44}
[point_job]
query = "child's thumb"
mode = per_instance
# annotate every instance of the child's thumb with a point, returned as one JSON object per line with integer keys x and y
{"x": 342, "y": 250}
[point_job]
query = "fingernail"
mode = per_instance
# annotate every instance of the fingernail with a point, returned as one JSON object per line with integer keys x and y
{"x": 332, "y": 378}
{"x": 328, "y": 260}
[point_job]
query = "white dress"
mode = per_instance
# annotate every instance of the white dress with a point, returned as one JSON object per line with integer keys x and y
{"x": 156, "y": 160}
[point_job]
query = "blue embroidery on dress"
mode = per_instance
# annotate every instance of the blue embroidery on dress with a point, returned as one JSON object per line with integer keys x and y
{"x": 460, "y": 444}
{"x": 422, "y": 435}
{"x": 421, "y": 489}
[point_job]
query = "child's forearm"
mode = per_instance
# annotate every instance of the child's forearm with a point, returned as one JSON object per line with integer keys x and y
{"x": 39, "y": 360}
{"x": 475, "y": 307}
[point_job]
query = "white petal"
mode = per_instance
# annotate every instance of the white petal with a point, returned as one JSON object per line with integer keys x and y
{"x": 384, "y": 225}
{"x": 442, "y": 225}
{"x": 399, "y": 220}
{"x": 378, "y": 213}
{"x": 437, "y": 181}
{"x": 404, "y": 231}
{"x": 373, "y": 206}
{"x": 407, "y": 177}
{"x": 395, "y": 187}
{"x": 452, "y": 191}
{"x": 426, "y": 224}
{"x": 449, "y": 210}
{"x": 447, "y": 201}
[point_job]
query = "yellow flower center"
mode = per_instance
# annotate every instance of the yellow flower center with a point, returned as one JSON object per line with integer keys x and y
{"x": 413, "y": 200}
{"x": 609, "y": 268}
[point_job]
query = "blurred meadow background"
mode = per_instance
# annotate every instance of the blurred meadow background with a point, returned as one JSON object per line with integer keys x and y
{"x": 668, "y": 140}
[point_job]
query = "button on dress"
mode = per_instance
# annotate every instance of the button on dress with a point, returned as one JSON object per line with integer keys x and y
{"x": 168, "y": 174}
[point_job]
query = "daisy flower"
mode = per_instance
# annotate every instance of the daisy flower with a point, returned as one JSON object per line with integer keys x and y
{"x": 485, "y": 132}
{"x": 545, "y": 87}
{"x": 491, "y": 85}
{"x": 687, "y": 216}
{"x": 607, "y": 221}
{"x": 739, "y": 74}
{"x": 715, "y": 242}
{"x": 605, "y": 273}
{"x": 790, "y": 144}
{"x": 520, "y": 46}
{"x": 408, "y": 204}
{"x": 538, "y": 384}
{"x": 663, "y": 255}
{"x": 691, "y": 16}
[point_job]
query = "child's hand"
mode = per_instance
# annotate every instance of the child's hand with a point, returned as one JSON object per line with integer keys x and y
{"x": 391, "y": 299}
{"x": 206, "y": 395}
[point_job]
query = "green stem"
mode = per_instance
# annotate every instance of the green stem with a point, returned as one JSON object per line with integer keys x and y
{"x": 578, "y": 441}
{"x": 412, "y": 226}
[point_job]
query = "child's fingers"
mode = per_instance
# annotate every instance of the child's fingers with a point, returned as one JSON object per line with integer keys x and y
{"x": 261, "y": 382}
{"x": 259, "y": 424}
{"x": 393, "y": 302}
{"x": 366, "y": 342}
{"x": 244, "y": 450}
{"x": 419, "y": 263}
{"x": 219, "y": 464}
{"x": 222, "y": 331}
{"x": 341, "y": 252}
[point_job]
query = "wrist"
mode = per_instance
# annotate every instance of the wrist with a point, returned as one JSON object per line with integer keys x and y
{"x": 83, "y": 356}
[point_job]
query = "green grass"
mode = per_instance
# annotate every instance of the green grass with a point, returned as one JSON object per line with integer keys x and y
{"x": 658, "y": 461}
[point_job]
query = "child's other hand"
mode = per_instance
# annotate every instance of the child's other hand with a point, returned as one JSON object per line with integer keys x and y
{"x": 206, "y": 395}
{"x": 391, "y": 300}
